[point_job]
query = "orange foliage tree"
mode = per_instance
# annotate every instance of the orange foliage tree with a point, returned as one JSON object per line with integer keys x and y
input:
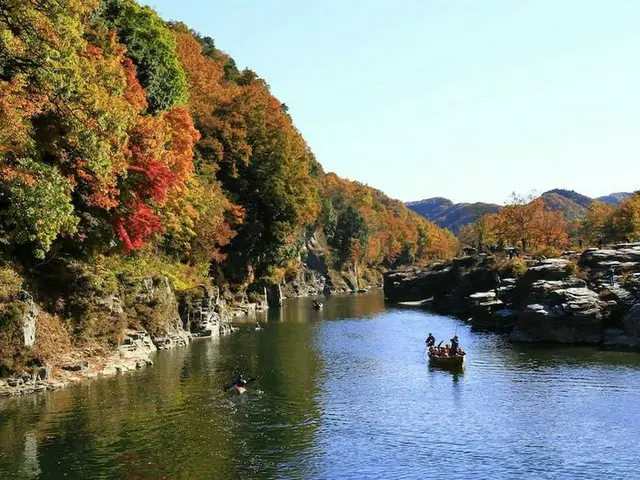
{"x": 529, "y": 224}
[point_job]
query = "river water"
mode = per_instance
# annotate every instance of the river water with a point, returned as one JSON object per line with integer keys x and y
{"x": 344, "y": 392}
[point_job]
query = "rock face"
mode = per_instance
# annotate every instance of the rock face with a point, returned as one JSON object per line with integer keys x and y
{"x": 419, "y": 284}
{"x": 142, "y": 315}
{"x": 317, "y": 277}
{"x": 202, "y": 311}
{"x": 28, "y": 319}
{"x": 274, "y": 296}
{"x": 625, "y": 256}
{"x": 567, "y": 315}
{"x": 550, "y": 269}
{"x": 137, "y": 345}
{"x": 548, "y": 303}
{"x": 163, "y": 321}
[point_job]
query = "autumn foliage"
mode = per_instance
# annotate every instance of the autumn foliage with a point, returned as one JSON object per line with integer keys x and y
{"x": 526, "y": 223}
{"x": 605, "y": 223}
{"x": 120, "y": 131}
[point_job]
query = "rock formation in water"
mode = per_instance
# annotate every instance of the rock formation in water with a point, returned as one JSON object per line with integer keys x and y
{"x": 568, "y": 300}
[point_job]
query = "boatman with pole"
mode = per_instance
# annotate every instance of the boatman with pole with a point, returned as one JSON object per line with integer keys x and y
{"x": 454, "y": 345}
{"x": 431, "y": 340}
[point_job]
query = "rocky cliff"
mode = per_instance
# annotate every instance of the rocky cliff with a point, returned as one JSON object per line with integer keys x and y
{"x": 319, "y": 275}
{"x": 591, "y": 299}
{"x": 109, "y": 333}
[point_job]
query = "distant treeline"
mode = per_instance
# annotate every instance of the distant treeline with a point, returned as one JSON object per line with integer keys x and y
{"x": 532, "y": 225}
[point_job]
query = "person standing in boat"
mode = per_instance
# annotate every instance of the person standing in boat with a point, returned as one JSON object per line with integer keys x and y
{"x": 454, "y": 345}
{"x": 431, "y": 340}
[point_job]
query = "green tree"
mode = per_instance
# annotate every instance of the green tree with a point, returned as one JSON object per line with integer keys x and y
{"x": 35, "y": 207}
{"x": 152, "y": 47}
{"x": 351, "y": 229}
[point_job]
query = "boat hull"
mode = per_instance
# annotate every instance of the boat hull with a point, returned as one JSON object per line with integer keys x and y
{"x": 450, "y": 363}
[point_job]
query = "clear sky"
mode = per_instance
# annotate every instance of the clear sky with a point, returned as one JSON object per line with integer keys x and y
{"x": 466, "y": 99}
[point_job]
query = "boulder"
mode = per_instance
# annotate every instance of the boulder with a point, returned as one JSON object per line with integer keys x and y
{"x": 482, "y": 298}
{"x": 567, "y": 315}
{"x": 43, "y": 373}
{"x": 15, "y": 381}
{"x": 540, "y": 290}
{"x": 621, "y": 296}
{"x": 136, "y": 345}
{"x": 624, "y": 246}
{"x": 625, "y": 256}
{"x": 176, "y": 338}
{"x": 549, "y": 269}
{"x": 76, "y": 366}
{"x": 631, "y": 321}
{"x": 109, "y": 370}
{"x": 500, "y": 320}
{"x": 202, "y": 310}
{"x": 632, "y": 284}
{"x": 464, "y": 262}
{"x": 419, "y": 284}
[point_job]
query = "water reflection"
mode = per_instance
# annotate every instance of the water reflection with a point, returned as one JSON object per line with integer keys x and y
{"x": 336, "y": 307}
{"x": 174, "y": 420}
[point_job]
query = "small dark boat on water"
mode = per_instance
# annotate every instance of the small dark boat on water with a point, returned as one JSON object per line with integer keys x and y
{"x": 317, "y": 305}
{"x": 455, "y": 362}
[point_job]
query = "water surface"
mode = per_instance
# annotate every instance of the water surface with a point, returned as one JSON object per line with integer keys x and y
{"x": 344, "y": 392}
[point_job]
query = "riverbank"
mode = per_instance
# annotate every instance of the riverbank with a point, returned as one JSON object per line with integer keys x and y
{"x": 567, "y": 300}
{"x": 118, "y": 330}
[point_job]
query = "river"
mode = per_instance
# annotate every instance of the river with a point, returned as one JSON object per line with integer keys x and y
{"x": 344, "y": 392}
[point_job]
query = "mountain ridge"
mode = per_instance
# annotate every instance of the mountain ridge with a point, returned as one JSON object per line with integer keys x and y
{"x": 447, "y": 214}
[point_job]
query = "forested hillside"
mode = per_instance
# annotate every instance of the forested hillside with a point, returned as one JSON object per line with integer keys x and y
{"x": 453, "y": 216}
{"x": 131, "y": 147}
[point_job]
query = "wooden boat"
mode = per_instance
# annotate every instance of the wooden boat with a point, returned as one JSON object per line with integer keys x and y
{"x": 451, "y": 363}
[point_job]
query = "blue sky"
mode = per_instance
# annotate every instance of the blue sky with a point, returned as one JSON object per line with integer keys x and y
{"x": 465, "y": 99}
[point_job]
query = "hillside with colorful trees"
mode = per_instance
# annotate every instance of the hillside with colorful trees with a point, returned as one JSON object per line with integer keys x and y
{"x": 533, "y": 226}
{"x": 125, "y": 136}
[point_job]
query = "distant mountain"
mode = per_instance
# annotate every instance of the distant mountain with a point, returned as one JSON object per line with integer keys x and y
{"x": 444, "y": 213}
{"x": 433, "y": 207}
{"x": 572, "y": 204}
{"x": 615, "y": 198}
{"x": 571, "y": 195}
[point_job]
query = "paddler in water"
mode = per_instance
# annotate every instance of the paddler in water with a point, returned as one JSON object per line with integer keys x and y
{"x": 454, "y": 345}
{"x": 431, "y": 340}
{"x": 240, "y": 382}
